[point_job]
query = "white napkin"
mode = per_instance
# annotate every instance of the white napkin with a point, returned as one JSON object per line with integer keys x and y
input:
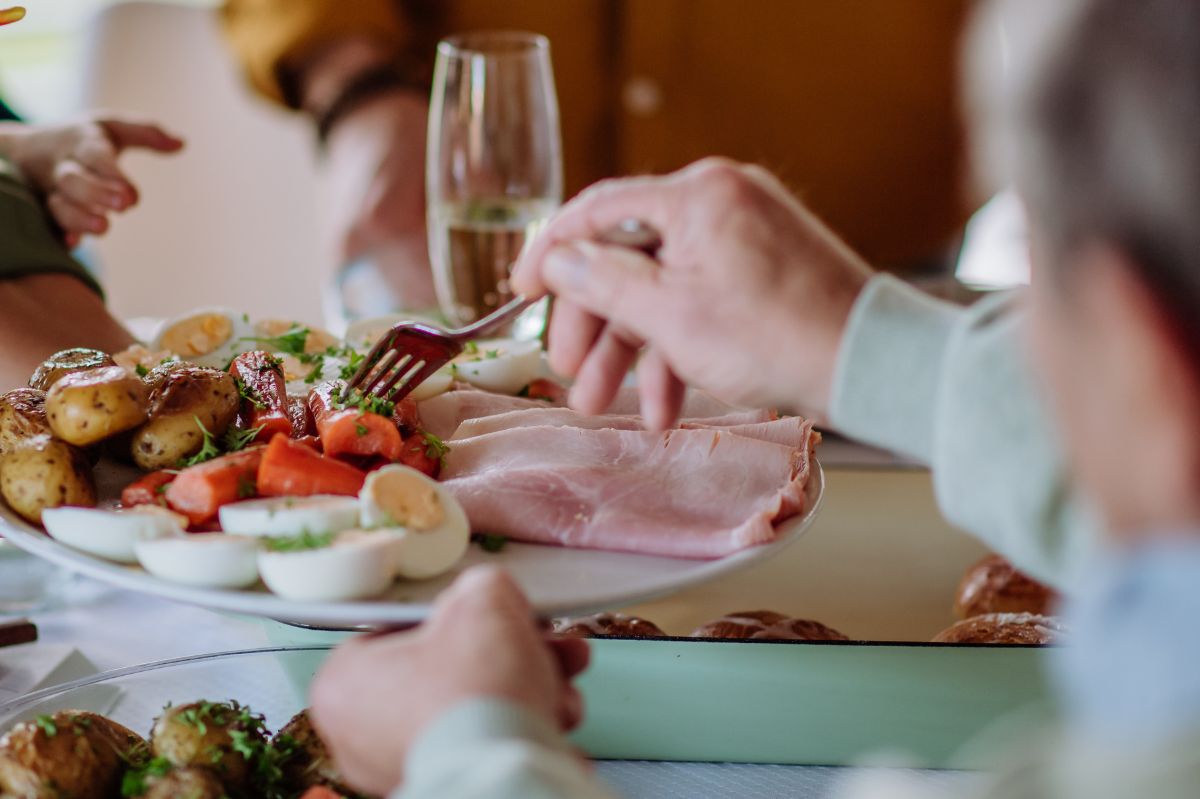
{"x": 31, "y": 667}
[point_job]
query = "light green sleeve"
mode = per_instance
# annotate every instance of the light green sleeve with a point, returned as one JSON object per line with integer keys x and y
{"x": 949, "y": 386}
{"x": 494, "y": 749}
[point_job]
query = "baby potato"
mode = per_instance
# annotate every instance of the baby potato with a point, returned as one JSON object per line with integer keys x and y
{"x": 66, "y": 362}
{"x": 87, "y": 407}
{"x": 184, "y": 783}
{"x": 212, "y": 735}
{"x": 305, "y": 761}
{"x": 44, "y": 472}
{"x": 69, "y": 753}
{"x": 22, "y": 416}
{"x": 178, "y": 397}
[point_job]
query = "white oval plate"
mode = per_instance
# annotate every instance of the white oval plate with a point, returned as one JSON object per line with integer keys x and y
{"x": 559, "y": 581}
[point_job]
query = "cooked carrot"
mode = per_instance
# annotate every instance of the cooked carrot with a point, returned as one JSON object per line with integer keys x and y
{"x": 421, "y": 455}
{"x": 407, "y": 416}
{"x": 199, "y": 491}
{"x": 291, "y": 469}
{"x": 351, "y": 431}
{"x": 302, "y": 421}
{"x": 264, "y": 394}
{"x": 148, "y": 489}
{"x": 543, "y": 388}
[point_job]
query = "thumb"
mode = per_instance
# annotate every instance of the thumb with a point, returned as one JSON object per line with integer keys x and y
{"x": 136, "y": 134}
{"x": 618, "y": 284}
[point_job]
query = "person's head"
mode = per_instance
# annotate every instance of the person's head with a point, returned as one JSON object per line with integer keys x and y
{"x": 1103, "y": 143}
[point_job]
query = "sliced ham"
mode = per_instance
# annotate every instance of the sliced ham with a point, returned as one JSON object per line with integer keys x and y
{"x": 565, "y": 417}
{"x": 692, "y": 493}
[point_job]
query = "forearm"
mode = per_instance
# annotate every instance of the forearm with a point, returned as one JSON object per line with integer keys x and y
{"x": 492, "y": 749}
{"x": 949, "y": 386}
{"x": 42, "y": 314}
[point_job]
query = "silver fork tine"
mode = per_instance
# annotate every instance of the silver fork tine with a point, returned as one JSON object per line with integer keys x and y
{"x": 381, "y": 370}
{"x": 411, "y": 367}
{"x": 403, "y": 390}
{"x": 400, "y": 363}
{"x": 372, "y": 359}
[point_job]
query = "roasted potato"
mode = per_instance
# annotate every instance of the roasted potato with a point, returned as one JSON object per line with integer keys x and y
{"x": 303, "y": 758}
{"x": 61, "y": 364}
{"x": 22, "y": 416}
{"x": 87, "y": 407}
{"x": 71, "y": 753}
{"x": 184, "y": 783}
{"x": 224, "y": 737}
{"x": 178, "y": 397}
{"x": 43, "y": 472}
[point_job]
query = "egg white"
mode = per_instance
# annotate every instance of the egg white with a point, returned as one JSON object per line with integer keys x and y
{"x": 110, "y": 534}
{"x": 421, "y": 552}
{"x": 358, "y": 564}
{"x": 203, "y": 560}
{"x": 206, "y": 352}
{"x": 502, "y": 365}
{"x": 288, "y": 516}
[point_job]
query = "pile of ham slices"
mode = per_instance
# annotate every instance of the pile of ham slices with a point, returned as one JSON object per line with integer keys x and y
{"x": 535, "y": 471}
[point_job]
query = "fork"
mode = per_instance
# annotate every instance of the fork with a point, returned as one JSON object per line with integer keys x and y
{"x": 408, "y": 354}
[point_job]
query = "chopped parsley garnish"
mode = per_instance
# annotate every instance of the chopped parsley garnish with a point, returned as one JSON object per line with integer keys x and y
{"x": 471, "y": 348}
{"x": 236, "y": 440}
{"x": 249, "y": 394}
{"x": 142, "y": 371}
{"x": 134, "y": 781}
{"x": 361, "y": 429}
{"x": 246, "y": 487}
{"x": 353, "y": 361}
{"x": 300, "y": 543}
{"x": 492, "y": 354}
{"x": 367, "y": 403}
{"x": 162, "y": 489}
{"x": 208, "y": 450}
{"x": 46, "y": 724}
{"x": 435, "y": 448}
{"x": 493, "y": 543}
{"x": 291, "y": 341}
{"x": 315, "y": 373}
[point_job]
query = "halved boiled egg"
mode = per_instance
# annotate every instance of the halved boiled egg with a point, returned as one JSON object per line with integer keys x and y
{"x": 430, "y": 527}
{"x": 501, "y": 365}
{"x": 112, "y": 534}
{"x": 290, "y": 516}
{"x": 203, "y": 560}
{"x": 436, "y": 383}
{"x": 354, "y": 564}
{"x": 207, "y": 337}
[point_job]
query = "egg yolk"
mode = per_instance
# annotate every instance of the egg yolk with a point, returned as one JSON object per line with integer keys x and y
{"x": 409, "y": 501}
{"x": 198, "y": 335}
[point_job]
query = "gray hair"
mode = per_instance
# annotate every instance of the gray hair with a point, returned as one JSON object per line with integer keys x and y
{"x": 1097, "y": 122}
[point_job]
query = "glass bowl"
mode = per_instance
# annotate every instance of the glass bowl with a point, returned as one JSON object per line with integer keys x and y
{"x": 273, "y": 682}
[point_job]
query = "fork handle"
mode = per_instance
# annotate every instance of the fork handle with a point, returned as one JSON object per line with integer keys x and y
{"x": 495, "y": 319}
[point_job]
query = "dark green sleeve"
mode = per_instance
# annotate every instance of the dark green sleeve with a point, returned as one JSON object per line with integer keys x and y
{"x": 29, "y": 244}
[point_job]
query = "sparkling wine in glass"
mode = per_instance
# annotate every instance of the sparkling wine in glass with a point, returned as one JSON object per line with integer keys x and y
{"x": 493, "y": 169}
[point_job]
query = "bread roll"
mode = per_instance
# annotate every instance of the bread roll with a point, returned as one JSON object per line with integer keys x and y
{"x": 1004, "y": 628}
{"x": 798, "y": 630}
{"x": 993, "y": 585}
{"x": 739, "y": 625}
{"x": 608, "y": 625}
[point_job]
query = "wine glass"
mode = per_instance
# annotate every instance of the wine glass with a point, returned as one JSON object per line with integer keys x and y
{"x": 493, "y": 172}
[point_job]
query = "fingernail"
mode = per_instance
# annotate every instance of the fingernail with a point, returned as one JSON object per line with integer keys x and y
{"x": 566, "y": 265}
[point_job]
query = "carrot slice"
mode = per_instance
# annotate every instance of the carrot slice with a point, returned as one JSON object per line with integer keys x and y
{"x": 320, "y": 792}
{"x": 351, "y": 431}
{"x": 199, "y": 491}
{"x": 302, "y": 421}
{"x": 291, "y": 469}
{"x": 264, "y": 394}
{"x": 148, "y": 489}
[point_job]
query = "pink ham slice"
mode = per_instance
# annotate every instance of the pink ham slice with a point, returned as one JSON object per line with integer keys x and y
{"x": 441, "y": 415}
{"x": 565, "y": 417}
{"x": 699, "y": 493}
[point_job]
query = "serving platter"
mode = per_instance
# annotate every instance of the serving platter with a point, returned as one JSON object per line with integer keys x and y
{"x": 559, "y": 581}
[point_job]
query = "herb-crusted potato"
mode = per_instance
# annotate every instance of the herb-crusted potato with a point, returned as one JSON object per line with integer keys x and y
{"x": 222, "y": 736}
{"x": 87, "y": 407}
{"x": 71, "y": 753}
{"x": 179, "y": 396}
{"x": 43, "y": 472}
{"x": 66, "y": 362}
{"x": 22, "y": 416}
{"x": 303, "y": 758}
